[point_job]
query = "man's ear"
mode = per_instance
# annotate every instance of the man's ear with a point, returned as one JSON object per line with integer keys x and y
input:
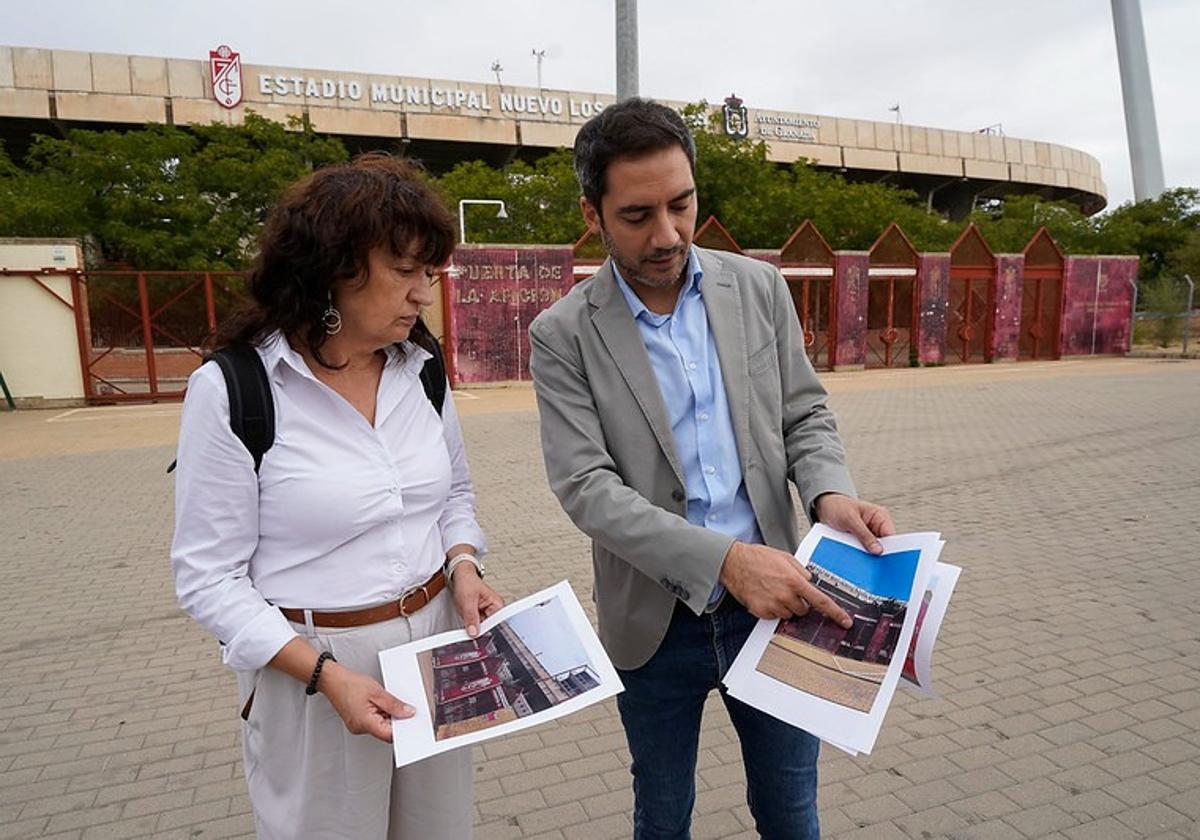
{"x": 591, "y": 215}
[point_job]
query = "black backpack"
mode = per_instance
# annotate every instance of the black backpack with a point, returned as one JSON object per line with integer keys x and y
{"x": 252, "y": 409}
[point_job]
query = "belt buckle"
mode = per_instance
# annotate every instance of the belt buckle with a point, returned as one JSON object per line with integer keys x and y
{"x": 403, "y": 609}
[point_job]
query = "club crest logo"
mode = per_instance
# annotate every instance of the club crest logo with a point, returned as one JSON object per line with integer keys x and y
{"x": 225, "y": 70}
{"x": 737, "y": 122}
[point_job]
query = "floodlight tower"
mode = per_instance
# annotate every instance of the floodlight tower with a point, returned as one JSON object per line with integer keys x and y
{"x": 1145, "y": 156}
{"x": 627, "y": 49}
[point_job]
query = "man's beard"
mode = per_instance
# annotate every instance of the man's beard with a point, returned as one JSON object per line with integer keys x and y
{"x": 630, "y": 271}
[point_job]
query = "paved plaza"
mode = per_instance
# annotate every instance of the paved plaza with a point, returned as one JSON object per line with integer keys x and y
{"x": 1069, "y": 664}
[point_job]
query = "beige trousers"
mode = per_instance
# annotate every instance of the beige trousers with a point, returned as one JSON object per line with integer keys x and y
{"x": 310, "y": 778}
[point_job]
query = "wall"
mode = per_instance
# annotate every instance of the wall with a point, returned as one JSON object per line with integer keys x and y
{"x": 1097, "y": 299}
{"x": 39, "y": 348}
{"x": 497, "y": 292}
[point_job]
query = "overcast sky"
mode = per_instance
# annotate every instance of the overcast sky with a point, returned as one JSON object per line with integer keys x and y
{"x": 1044, "y": 69}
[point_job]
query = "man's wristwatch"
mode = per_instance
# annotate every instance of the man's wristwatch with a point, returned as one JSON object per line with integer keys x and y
{"x": 457, "y": 560}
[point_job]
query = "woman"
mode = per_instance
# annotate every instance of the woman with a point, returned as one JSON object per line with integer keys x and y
{"x": 360, "y": 514}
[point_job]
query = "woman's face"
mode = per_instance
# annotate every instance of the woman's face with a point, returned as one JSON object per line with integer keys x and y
{"x": 383, "y": 310}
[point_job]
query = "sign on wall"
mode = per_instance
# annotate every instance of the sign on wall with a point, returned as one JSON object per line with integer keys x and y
{"x": 493, "y": 296}
{"x": 225, "y": 73}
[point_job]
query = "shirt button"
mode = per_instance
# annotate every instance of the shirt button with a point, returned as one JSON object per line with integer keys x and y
{"x": 691, "y": 365}
{"x": 711, "y": 470}
{"x": 704, "y": 417}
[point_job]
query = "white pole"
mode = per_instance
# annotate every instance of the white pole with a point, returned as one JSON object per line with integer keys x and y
{"x": 627, "y": 49}
{"x": 1141, "y": 127}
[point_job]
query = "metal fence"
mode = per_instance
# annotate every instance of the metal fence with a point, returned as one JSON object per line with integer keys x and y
{"x": 1165, "y": 314}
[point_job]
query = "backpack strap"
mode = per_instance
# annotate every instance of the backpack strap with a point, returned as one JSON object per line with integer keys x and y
{"x": 433, "y": 376}
{"x": 251, "y": 406}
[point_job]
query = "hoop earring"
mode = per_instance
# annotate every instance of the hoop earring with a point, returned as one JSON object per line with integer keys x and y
{"x": 331, "y": 318}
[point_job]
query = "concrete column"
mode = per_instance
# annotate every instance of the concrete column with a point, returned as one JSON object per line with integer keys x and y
{"x": 1006, "y": 323}
{"x": 850, "y": 280}
{"x": 931, "y": 313}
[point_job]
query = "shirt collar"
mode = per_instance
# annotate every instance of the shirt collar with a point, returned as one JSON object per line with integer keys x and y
{"x": 275, "y": 350}
{"x": 690, "y": 286}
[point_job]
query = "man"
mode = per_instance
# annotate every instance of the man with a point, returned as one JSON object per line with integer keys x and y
{"x": 676, "y": 402}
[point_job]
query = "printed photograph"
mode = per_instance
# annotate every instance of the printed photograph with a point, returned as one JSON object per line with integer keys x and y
{"x": 910, "y": 662}
{"x": 845, "y": 666}
{"x": 527, "y": 664}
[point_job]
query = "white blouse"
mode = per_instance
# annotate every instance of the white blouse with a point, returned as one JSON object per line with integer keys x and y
{"x": 340, "y": 515}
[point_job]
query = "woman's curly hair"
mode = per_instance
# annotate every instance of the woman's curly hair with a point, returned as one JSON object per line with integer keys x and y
{"x": 320, "y": 233}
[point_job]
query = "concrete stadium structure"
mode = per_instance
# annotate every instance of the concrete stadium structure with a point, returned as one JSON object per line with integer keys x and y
{"x": 443, "y": 122}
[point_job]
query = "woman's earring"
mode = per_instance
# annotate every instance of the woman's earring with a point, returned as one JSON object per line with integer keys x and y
{"x": 332, "y": 319}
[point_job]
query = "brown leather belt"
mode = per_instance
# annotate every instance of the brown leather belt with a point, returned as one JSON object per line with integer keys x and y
{"x": 405, "y": 605}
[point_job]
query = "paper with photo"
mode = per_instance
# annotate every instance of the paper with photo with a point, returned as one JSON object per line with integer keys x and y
{"x": 918, "y": 667}
{"x": 810, "y": 672}
{"x": 916, "y": 675}
{"x": 533, "y": 661}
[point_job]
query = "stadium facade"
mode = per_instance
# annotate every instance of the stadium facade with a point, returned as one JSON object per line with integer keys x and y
{"x": 443, "y": 122}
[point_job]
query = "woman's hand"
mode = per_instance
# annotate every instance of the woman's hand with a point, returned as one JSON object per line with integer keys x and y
{"x": 473, "y": 598}
{"x": 363, "y": 704}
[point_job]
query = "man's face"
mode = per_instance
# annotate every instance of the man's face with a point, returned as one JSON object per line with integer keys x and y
{"x": 649, "y": 216}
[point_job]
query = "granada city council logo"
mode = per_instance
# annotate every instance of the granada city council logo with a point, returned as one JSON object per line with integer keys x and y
{"x": 225, "y": 72}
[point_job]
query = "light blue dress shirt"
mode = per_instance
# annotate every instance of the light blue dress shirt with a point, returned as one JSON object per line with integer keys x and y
{"x": 683, "y": 356}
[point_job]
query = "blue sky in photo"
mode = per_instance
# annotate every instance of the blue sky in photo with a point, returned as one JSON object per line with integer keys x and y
{"x": 887, "y": 575}
{"x": 550, "y": 636}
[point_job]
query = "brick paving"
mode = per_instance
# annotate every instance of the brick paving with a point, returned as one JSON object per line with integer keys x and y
{"x": 1069, "y": 663}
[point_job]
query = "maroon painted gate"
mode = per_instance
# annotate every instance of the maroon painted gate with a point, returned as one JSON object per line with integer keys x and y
{"x": 1041, "y": 299}
{"x": 807, "y": 263}
{"x": 892, "y": 295}
{"x": 971, "y": 299}
{"x": 146, "y": 329}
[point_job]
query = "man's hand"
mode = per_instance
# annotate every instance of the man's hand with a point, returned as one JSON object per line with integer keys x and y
{"x": 862, "y": 519}
{"x": 473, "y": 598}
{"x": 771, "y": 584}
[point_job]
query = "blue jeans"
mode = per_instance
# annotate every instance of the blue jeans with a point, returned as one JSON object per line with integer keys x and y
{"x": 661, "y": 708}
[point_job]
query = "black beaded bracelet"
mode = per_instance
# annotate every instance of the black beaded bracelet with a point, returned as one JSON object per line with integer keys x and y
{"x": 316, "y": 674}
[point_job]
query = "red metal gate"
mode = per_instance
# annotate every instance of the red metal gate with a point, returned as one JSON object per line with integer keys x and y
{"x": 813, "y": 299}
{"x": 1041, "y": 299}
{"x": 892, "y": 296}
{"x": 972, "y": 299}
{"x": 141, "y": 333}
{"x": 807, "y": 263}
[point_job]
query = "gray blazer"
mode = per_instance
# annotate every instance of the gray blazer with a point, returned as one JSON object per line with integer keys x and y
{"x": 610, "y": 456}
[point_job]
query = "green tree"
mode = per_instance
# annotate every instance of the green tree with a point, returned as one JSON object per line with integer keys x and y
{"x": 542, "y": 200}
{"x": 1186, "y": 258}
{"x": 1009, "y": 227}
{"x": 1153, "y": 229}
{"x": 161, "y": 197}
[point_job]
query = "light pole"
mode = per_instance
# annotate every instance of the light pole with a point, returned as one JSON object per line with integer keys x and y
{"x": 1141, "y": 127}
{"x": 539, "y": 55}
{"x": 627, "y": 49}
{"x": 462, "y": 218}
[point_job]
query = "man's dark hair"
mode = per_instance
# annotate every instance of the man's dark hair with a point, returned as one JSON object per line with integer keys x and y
{"x": 630, "y": 128}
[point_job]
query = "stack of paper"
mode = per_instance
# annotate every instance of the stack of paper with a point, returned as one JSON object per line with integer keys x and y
{"x": 837, "y": 683}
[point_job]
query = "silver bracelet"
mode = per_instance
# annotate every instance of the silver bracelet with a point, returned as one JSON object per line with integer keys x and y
{"x": 457, "y": 560}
